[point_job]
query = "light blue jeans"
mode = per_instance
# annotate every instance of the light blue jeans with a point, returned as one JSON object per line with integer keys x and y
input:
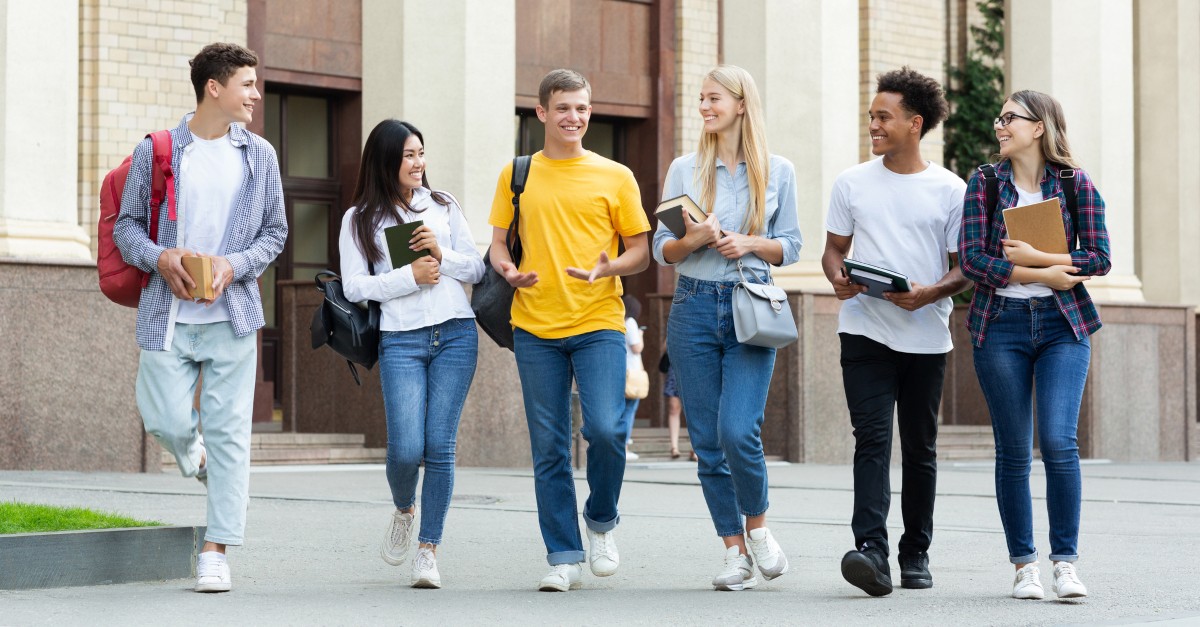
{"x": 425, "y": 374}
{"x": 723, "y": 385}
{"x": 1030, "y": 347}
{"x": 166, "y": 386}
{"x": 596, "y": 361}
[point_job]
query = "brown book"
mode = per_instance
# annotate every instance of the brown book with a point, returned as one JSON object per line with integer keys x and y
{"x": 201, "y": 271}
{"x": 1040, "y": 225}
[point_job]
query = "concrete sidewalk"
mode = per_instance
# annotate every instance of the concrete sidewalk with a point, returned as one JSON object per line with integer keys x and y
{"x": 312, "y": 557}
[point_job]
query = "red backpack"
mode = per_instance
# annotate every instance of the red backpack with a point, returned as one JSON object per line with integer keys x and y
{"x": 119, "y": 281}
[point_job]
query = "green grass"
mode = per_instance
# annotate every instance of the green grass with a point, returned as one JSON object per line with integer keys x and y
{"x": 30, "y": 518}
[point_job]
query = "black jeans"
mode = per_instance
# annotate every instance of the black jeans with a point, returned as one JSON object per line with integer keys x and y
{"x": 881, "y": 382}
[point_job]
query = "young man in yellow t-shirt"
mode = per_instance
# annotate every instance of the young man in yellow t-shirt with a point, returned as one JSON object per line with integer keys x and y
{"x": 568, "y": 320}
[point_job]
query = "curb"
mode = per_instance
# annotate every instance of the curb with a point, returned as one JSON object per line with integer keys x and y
{"x": 99, "y": 556}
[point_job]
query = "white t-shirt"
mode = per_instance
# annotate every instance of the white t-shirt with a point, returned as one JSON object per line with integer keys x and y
{"x": 210, "y": 177}
{"x": 633, "y": 335}
{"x": 1025, "y": 290}
{"x": 907, "y": 223}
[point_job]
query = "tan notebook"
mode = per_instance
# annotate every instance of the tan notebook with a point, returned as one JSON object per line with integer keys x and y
{"x": 201, "y": 271}
{"x": 1040, "y": 225}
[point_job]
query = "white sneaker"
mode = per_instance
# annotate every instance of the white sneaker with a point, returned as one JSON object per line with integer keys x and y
{"x": 212, "y": 573}
{"x": 425, "y": 571}
{"x": 1066, "y": 582}
{"x": 602, "y": 553}
{"x": 398, "y": 537}
{"x": 738, "y": 573}
{"x": 630, "y": 456}
{"x": 770, "y": 558}
{"x": 1028, "y": 583}
{"x": 562, "y": 577}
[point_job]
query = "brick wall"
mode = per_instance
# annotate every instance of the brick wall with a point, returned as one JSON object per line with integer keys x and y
{"x": 697, "y": 29}
{"x": 895, "y": 33}
{"x": 134, "y": 76}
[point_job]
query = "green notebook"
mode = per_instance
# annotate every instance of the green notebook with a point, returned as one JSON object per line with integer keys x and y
{"x": 397, "y": 240}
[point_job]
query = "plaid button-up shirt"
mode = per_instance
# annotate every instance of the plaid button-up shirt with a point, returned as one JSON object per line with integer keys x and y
{"x": 257, "y": 232}
{"x": 982, "y": 256}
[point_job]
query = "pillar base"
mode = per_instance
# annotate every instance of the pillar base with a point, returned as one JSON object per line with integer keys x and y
{"x": 1116, "y": 288}
{"x": 26, "y": 239}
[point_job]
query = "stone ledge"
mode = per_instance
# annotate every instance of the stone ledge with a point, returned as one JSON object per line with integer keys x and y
{"x": 100, "y": 556}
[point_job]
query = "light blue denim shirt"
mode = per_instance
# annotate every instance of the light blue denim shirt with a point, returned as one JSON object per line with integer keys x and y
{"x": 731, "y": 201}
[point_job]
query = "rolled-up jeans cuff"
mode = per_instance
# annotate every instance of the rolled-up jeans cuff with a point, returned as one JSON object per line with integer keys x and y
{"x": 602, "y": 527}
{"x": 1063, "y": 558}
{"x": 726, "y": 534}
{"x": 1027, "y": 559}
{"x": 564, "y": 557}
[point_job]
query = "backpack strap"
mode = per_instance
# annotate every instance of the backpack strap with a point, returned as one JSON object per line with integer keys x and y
{"x": 1066, "y": 177}
{"x": 520, "y": 174}
{"x": 991, "y": 186}
{"x": 162, "y": 178}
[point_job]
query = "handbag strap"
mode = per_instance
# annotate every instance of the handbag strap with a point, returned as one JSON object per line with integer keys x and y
{"x": 770, "y": 279}
{"x": 520, "y": 174}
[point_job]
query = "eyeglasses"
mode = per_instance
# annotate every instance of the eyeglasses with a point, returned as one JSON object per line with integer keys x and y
{"x": 1007, "y": 119}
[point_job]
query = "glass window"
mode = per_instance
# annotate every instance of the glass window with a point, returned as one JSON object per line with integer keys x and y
{"x": 271, "y": 121}
{"x": 307, "y": 137}
{"x": 310, "y": 230}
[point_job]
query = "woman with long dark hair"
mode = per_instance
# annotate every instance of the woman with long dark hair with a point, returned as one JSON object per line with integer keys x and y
{"x": 428, "y": 341}
{"x": 1030, "y": 320}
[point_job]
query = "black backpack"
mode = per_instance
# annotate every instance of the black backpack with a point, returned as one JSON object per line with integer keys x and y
{"x": 492, "y": 297}
{"x": 991, "y": 188}
{"x": 351, "y": 331}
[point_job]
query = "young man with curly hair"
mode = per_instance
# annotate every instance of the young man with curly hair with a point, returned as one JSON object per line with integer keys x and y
{"x": 901, "y": 212}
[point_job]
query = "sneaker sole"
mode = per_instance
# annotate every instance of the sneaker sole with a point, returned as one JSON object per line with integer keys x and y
{"x": 602, "y": 573}
{"x": 735, "y": 587}
{"x": 427, "y": 583}
{"x": 553, "y": 587}
{"x": 214, "y": 587}
{"x": 914, "y": 583}
{"x": 775, "y": 573}
{"x": 857, "y": 570}
{"x": 1029, "y": 597}
{"x": 1070, "y": 595}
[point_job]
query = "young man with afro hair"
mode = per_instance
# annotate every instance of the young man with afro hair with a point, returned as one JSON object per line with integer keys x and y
{"x": 901, "y": 212}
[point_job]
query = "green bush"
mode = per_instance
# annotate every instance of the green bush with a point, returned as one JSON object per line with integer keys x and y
{"x": 976, "y": 94}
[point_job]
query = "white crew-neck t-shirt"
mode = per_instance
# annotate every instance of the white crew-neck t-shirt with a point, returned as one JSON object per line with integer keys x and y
{"x": 210, "y": 176}
{"x": 907, "y": 223}
{"x": 1025, "y": 290}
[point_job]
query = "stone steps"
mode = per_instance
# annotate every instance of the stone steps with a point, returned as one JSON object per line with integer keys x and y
{"x": 965, "y": 443}
{"x": 277, "y": 449}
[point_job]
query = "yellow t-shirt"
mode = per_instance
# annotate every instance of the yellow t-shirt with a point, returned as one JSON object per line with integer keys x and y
{"x": 571, "y": 210}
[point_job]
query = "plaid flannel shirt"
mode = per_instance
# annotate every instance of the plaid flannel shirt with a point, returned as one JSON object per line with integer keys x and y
{"x": 982, "y": 257}
{"x": 257, "y": 232}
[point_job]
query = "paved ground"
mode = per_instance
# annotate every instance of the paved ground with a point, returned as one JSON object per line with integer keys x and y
{"x": 312, "y": 553}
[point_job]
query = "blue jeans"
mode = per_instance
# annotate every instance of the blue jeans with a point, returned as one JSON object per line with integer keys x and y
{"x": 596, "y": 361}
{"x": 723, "y": 385}
{"x": 1031, "y": 352}
{"x": 166, "y": 387}
{"x": 425, "y": 374}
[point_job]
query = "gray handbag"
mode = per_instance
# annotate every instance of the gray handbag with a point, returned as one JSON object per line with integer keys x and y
{"x": 761, "y": 313}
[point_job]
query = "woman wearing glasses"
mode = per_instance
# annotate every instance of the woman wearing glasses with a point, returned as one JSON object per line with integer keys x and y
{"x": 1030, "y": 320}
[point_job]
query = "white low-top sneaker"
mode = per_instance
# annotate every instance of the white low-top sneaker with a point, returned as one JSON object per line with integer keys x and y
{"x": 770, "y": 558}
{"x": 737, "y": 573}
{"x": 398, "y": 537}
{"x": 425, "y": 571}
{"x": 1066, "y": 581}
{"x": 212, "y": 573}
{"x": 602, "y": 553}
{"x": 1028, "y": 583}
{"x": 562, "y": 577}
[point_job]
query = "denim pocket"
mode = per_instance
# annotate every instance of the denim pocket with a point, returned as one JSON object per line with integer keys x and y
{"x": 682, "y": 294}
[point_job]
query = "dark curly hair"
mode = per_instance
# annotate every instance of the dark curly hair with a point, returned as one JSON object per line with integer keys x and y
{"x": 919, "y": 95}
{"x": 219, "y": 61}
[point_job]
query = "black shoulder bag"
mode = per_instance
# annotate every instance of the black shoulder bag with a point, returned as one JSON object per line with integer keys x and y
{"x": 492, "y": 297}
{"x": 351, "y": 331}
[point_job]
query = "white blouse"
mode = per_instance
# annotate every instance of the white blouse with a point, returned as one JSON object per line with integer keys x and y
{"x": 405, "y": 305}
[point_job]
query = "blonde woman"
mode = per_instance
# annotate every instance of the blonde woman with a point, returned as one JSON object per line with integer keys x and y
{"x": 1030, "y": 321}
{"x": 750, "y": 198}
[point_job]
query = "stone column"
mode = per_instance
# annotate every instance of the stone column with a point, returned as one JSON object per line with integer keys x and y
{"x": 1082, "y": 53}
{"x": 39, "y": 121}
{"x": 804, "y": 56}
{"x": 457, "y": 91}
{"x": 1167, "y": 88}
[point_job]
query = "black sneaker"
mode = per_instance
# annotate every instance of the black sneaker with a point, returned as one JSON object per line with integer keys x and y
{"x": 914, "y": 571}
{"x": 868, "y": 569}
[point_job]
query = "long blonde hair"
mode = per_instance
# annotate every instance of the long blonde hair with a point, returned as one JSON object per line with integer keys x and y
{"x": 1055, "y": 148}
{"x": 753, "y": 139}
